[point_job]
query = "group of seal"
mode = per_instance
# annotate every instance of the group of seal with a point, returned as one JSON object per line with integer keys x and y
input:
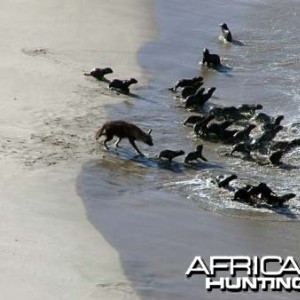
{"x": 260, "y": 195}
{"x": 229, "y": 125}
{"x": 192, "y": 156}
{"x": 234, "y": 126}
{"x": 211, "y": 59}
{"x": 250, "y": 131}
{"x": 114, "y": 84}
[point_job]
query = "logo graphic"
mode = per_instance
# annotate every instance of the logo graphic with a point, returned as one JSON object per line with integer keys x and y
{"x": 245, "y": 273}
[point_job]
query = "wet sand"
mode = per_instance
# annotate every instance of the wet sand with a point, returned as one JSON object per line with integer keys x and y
{"x": 157, "y": 233}
{"x": 50, "y": 111}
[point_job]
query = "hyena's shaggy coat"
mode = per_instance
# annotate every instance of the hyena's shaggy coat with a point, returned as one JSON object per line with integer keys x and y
{"x": 123, "y": 129}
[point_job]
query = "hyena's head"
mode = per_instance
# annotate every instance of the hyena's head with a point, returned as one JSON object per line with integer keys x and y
{"x": 147, "y": 139}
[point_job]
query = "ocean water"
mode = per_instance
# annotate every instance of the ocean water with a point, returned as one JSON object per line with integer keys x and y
{"x": 159, "y": 216}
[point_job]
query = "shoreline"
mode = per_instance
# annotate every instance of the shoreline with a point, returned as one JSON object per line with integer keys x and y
{"x": 50, "y": 250}
{"x": 156, "y": 232}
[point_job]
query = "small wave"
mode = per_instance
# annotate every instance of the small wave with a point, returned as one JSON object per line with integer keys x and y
{"x": 203, "y": 192}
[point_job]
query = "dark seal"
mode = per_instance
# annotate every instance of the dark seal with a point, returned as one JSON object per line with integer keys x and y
{"x": 211, "y": 60}
{"x": 122, "y": 85}
{"x": 170, "y": 154}
{"x": 225, "y": 33}
{"x": 199, "y": 99}
{"x": 195, "y": 155}
{"x": 99, "y": 73}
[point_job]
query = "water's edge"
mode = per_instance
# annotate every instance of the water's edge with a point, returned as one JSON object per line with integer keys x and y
{"x": 156, "y": 232}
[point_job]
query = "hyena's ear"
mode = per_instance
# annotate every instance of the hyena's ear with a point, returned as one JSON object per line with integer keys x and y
{"x": 149, "y": 132}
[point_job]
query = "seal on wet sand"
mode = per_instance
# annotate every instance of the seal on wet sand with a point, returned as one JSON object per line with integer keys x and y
{"x": 99, "y": 73}
{"x": 170, "y": 154}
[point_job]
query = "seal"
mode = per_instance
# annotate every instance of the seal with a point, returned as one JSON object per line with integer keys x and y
{"x": 170, "y": 154}
{"x": 226, "y": 113}
{"x": 268, "y": 195}
{"x": 242, "y": 195}
{"x": 190, "y": 90}
{"x": 223, "y": 182}
{"x": 273, "y": 123}
{"x": 122, "y": 85}
{"x": 249, "y": 108}
{"x": 244, "y": 148}
{"x": 194, "y": 119}
{"x": 227, "y": 136}
{"x": 225, "y": 33}
{"x": 266, "y": 119}
{"x": 186, "y": 82}
{"x": 286, "y": 146}
{"x": 261, "y": 196}
{"x": 195, "y": 155}
{"x": 266, "y": 137}
{"x": 278, "y": 201}
{"x": 243, "y": 135}
{"x": 99, "y": 73}
{"x": 216, "y": 129}
{"x": 211, "y": 60}
{"x": 199, "y": 99}
{"x": 192, "y": 99}
{"x": 200, "y": 126}
{"x": 275, "y": 157}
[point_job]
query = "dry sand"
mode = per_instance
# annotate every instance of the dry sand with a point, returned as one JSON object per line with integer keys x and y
{"x": 48, "y": 248}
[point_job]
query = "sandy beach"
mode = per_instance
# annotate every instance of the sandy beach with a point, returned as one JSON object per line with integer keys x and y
{"x": 50, "y": 111}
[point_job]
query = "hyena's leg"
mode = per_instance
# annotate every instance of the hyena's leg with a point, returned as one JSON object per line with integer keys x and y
{"x": 135, "y": 147}
{"x": 108, "y": 138}
{"x": 118, "y": 141}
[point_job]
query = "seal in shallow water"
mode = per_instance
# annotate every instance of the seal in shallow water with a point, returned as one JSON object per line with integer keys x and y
{"x": 278, "y": 201}
{"x": 211, "y": 60}
{"x": 276, "y": 156}
{"x": 199, "y": 99}
{"x": 170, "y": 154}
{"x": 225, "y": 33}
{"x": 286, "y": 146}
{"x": 186, "y": 82}
{"x": 266, "y": 137}
{"x": 226, "y": 113}
{"x": 249, "y": 108}
{"x": 195, "y": 155}
{"x": 122, "y": 85}
{"x": 243, "y": 134}
{"x": 244, "y": 148}
{"x": 216, "y": 129}
{"x": 190, "y": 90}
{"x": 194, "y": 119}
{"x": 223, "y": 182}
{"x": 200, "y": 126}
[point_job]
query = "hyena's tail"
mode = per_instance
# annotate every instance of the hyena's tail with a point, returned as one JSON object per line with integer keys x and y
{"x": 99, "y": 133}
